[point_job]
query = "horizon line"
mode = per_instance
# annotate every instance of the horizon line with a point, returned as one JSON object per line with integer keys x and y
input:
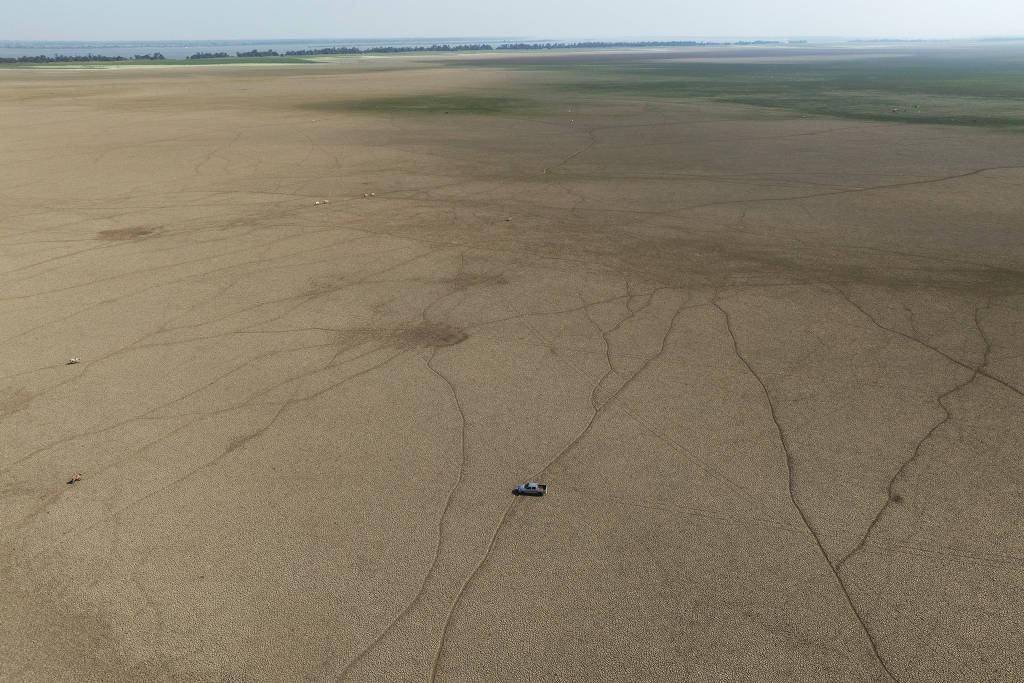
{"x": 523, "y": 38}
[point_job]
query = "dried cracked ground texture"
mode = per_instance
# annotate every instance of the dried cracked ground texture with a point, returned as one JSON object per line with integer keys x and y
{"x": 770, "y": 367}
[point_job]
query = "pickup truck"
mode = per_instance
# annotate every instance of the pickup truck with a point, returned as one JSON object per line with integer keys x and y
{"x": 531, "y": 489}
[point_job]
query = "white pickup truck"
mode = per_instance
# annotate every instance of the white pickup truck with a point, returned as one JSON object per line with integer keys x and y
{"x": 531, "y": 489}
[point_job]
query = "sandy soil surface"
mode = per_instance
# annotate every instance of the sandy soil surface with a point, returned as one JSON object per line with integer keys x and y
{"x": 770, "y": 367}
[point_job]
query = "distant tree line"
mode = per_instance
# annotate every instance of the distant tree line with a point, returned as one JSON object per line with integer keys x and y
{"x": 384, "y": 49}
{"x": 43, "y": 59}
{"x": 503, "y": 46}
{"x": 644, "y": 43}
{"x": 594, "y": 44}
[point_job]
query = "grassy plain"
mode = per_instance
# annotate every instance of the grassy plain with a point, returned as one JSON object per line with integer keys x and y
{"x": 213, "y": 61}
{"x": 758, "y": 332}
{"x": 959, "y": 86}
{"x": 459, "y": 103}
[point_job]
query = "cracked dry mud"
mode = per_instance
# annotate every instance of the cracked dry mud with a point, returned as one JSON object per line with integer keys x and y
{"x": 770, "y": 367}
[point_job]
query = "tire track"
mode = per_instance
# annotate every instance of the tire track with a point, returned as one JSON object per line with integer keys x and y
{"x": 796, "y": 504}
{"x": 890, "y": 492}
{"x": 440, "y": 528}
{"x": 551, "y": 463}
{"x": 980, "y": 369}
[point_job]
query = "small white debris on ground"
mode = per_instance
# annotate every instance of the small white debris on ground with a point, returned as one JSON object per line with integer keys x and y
{"x": 72, "y": 361}
{"x": 320, "y": 201}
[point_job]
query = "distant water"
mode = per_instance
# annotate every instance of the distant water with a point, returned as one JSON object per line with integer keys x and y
{"x": 179, "y": 49}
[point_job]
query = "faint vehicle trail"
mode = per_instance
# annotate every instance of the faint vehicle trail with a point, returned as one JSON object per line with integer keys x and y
{"x": 558, "y": 456}
{"x": 790, "y": 467}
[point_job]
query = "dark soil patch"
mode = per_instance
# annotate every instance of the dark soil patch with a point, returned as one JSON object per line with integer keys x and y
{"x": 122, "y": 234}
{"x": 435, "y": 335}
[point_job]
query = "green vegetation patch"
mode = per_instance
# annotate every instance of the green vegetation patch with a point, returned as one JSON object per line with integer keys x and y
{"x": 972, "y": 91}
{"x": 241, "y": 60}
{"x": 429, "y": 104}
{"x": 129, "y": 63}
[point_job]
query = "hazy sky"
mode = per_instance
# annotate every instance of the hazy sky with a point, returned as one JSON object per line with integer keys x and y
{"x": 208, "y": 19}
